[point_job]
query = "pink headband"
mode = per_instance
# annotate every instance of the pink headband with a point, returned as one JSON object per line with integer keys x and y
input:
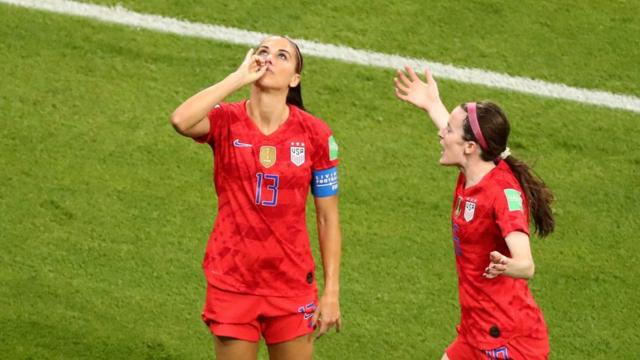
{"x": 473, "y": 119}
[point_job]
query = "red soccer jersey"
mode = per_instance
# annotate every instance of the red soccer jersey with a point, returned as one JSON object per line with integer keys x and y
{"x": 493, "y": 310}
{"x": 259, "y": 243}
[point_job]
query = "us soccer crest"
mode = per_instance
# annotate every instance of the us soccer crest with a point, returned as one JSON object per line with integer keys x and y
{"x": 469, "y": 210}
{"x": 267, "y": 156}
{"x": 297, "y": 153}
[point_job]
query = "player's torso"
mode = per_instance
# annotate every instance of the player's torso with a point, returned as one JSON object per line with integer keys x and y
{"x": 260, "y": 243}
{"x": 268, "y": 171}
{"x": 491, "y": 308}
{"x": 474, "y": 231}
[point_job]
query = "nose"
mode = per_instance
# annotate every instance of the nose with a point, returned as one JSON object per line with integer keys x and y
{"x": 441, "y": 133}
{"x": 267, "y": 58}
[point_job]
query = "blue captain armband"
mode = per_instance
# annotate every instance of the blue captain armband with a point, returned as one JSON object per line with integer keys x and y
{"x": 324, "y": 182}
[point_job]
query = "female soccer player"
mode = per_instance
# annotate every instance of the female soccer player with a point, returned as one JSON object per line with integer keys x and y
{"x": 494, "y": 196}
{"x": 267, "y": 153}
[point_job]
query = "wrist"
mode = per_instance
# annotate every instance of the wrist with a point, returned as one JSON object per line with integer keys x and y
{"x": 236, "y": 80}
{"x": 332, "y": 291}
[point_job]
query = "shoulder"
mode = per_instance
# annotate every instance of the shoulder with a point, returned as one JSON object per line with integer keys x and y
{"x": 505, "y": 179}
{"x": 506, "y": 190}
{"x": 311, "y": 123}
{"x": 232, "y": 108}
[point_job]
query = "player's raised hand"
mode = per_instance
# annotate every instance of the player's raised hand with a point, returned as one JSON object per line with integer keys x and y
{"x": 410, "y": 88}
{"x": 327, "y": 315}
{"x": 497, "y": 265}
{"x": 252, "y": 68}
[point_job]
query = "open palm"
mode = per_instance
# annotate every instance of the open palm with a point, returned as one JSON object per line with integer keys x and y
{"x": 415, "y": 91}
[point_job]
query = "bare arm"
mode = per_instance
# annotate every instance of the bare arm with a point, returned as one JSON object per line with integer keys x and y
{"x": 328, "y": 312}
{"x": 424, "y": 95}
{"x": 190, "y": 118}
{"x": 519, "y": 265}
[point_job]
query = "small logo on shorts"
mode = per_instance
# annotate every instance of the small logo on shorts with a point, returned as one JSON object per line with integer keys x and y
{"x": 497, "y": 353}
{"x": 307, "y": 312}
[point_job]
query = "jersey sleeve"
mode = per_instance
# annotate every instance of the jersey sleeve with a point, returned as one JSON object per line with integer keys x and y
{"x": 510, "y": 211}
{"x": 325, "y": 161}
{"x": 216, "y": 116}
{"x": 325, "y": 154}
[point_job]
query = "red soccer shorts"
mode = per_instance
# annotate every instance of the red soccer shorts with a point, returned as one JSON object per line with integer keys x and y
{"x": 246, "y": 316}
{"x": 519, "y": 348}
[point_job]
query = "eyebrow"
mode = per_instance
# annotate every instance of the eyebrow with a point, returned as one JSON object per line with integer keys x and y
{"x": 265, "y": 46}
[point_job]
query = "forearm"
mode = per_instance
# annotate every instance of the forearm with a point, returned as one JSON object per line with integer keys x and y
{"x": 194, "y": 109}
{"x": 330, "y": 249}
{"x": 438, "y": 114}
{"x": 520, "y": 268}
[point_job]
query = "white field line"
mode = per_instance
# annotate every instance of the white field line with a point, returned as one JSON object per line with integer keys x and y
{"x": 123, "y": 16}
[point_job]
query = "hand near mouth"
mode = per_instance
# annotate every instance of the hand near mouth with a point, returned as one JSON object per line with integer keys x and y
{"x": 252, "y": 68}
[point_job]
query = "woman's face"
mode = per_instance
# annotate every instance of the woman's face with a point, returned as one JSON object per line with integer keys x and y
{"x": 280, "y": 58}
{"x": 454, "y": 147}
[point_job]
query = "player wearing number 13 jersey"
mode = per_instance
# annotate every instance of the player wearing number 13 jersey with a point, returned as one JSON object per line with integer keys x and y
{"x": 259, "y": 244}
{"x": 268, "y": 153}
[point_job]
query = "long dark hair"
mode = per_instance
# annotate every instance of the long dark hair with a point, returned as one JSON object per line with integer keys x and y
{"x": 294, "y": 96}
{"x": 495, "y": 129}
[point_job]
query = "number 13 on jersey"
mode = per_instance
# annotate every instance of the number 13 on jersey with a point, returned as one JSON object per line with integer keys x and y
{"x": 267, "y": 189}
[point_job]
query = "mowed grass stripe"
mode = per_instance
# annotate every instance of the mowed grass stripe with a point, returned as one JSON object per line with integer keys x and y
{"x": 364, "y": 57}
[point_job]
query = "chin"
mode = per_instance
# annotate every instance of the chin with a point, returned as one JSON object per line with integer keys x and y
{"x": 445, "y": 162}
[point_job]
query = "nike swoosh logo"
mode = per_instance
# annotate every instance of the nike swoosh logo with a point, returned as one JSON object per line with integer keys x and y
{"x": 237, "y": 143}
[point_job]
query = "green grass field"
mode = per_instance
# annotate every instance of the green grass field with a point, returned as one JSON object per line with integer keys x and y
{"x": 105, "y": 211}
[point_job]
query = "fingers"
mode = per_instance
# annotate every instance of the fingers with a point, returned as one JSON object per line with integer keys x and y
{"x": 249, "y": 55}
{"x": 315, "y": 317}
{"x": 412, "y": 74}
{"x": 494, "y": 271}
{"x": 401, "y": 96}
{"x": 324, "y": 322}
{"x": 403, "y": 78}
{"x": 400, "y": 85}
{"x": 498, "y": 258}
{"x": 429, "y": 76}
{"x": 322, "y": 329}
{"x": 497, "y": 266}
{"x": 324, "y": 326}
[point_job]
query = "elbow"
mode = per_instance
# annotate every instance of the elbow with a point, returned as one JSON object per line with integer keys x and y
{"x": 530, "y": 271}
{"x": 178, "y": 123}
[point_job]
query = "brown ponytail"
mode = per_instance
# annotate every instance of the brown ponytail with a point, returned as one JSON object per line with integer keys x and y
{"x": 537, "y": 193}
{"x": 495, "y": 129}
{"x": 294, "y": 96}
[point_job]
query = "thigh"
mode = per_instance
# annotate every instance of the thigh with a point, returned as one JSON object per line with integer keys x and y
{"x": 228, "y": 348}
{"x": 300, "y": 348}
{"x": 461, "y": 350}
{"x": 285, "y": 319}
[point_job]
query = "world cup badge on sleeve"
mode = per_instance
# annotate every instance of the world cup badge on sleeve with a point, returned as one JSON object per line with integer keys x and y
{"x": 267, "y": 156}
{"x": 469, "y": 210}
{"x": 297, "y": 153}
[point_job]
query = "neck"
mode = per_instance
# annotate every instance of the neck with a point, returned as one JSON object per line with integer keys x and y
{"x": 267, "y": 109}
{"x": 475, "y": 170}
